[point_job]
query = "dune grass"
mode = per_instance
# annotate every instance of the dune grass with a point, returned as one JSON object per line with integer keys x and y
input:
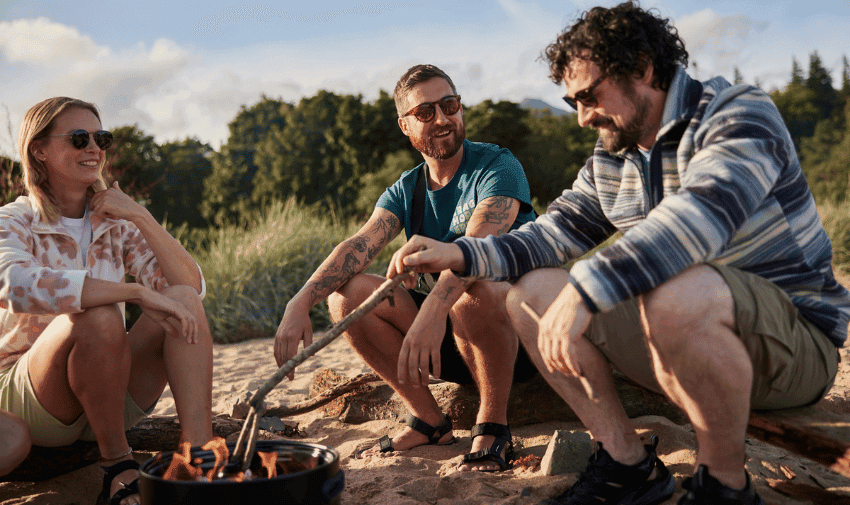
{"x": 251, "y": 273}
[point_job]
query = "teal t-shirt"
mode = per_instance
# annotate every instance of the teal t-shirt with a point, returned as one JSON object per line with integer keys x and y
{"x": 486, "y": 170}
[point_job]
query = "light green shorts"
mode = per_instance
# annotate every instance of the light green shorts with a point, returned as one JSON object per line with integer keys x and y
{"x": 17, "y": 396}
{"x": 794, "y": 363}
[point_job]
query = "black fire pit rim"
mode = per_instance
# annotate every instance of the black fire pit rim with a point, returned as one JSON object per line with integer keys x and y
{"x": 165, "y": 456}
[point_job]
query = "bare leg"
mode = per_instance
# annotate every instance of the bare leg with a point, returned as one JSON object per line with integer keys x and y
{"x": 701, "y": 364}
{"x": 159, "y": 359}
{"x": 84, "y": 363}
{"x": 14, "y": 441}
{"x": 377, "y": 338}
{"x": 488, "y": 344}
{"x": 81, "y": 363}
{"x": 605, "y": 419}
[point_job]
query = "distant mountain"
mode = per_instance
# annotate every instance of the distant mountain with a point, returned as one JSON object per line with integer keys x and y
{"x": 537, "y": 104}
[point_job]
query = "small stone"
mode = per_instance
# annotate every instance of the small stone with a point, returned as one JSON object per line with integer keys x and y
{"x": 272, "y": 423}
{"x": 525, "y": 492}
{"x": 568, "y": 452}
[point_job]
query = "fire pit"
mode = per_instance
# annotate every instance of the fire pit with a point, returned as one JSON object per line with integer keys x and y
{"x": 306, "y": 474}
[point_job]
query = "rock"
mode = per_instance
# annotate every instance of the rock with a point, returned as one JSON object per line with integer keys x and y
{"x": 568, "y": 452}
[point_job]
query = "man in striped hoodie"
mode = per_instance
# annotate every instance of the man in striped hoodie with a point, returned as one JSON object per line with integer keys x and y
{"x": 720, "y": 291}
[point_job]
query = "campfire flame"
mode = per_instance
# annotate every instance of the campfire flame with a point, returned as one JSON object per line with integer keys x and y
{"x": 183, "y": 467}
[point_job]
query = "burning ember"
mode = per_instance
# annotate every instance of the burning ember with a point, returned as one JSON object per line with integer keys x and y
{"x": 184, "y": 467}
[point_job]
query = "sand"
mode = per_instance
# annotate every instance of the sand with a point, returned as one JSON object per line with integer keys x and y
{"x": 427, "y": 475}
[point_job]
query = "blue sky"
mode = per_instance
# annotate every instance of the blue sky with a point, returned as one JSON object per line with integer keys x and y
{"x": 181, "y": 69}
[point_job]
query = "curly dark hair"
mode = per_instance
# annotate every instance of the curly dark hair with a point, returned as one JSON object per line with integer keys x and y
{"x": 413, "y": 76}
{"x": 621, "y": 41}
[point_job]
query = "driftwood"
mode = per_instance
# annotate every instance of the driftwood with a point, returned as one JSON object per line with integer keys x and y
{"x": 823, "y": 437}
{"x": 531, "y": 401}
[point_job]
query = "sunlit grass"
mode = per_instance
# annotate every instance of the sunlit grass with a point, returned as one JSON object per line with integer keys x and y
{"x": 252, "y": 273}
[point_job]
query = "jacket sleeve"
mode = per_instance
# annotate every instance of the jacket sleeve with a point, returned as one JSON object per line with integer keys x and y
{"x": 572, "y": 225}
{"x": 26, "y": 285}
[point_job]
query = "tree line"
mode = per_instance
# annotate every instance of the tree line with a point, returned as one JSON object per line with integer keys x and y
{"x": 341, "y": 152}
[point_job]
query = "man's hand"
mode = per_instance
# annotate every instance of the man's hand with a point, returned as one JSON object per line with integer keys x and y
{"x": 564, "y": 322}
{"x": 421, "y": 348}
{"x": 423, "y": 254}
{"x": 294, "y": 327}
{"x": 168, "y": 313}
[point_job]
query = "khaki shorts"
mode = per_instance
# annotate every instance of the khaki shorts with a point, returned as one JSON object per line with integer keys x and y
{"x": 17, "y": 396}
{"x": 794, "y": 363}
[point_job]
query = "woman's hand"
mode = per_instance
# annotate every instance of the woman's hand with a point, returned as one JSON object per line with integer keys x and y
{"x": 114, "y": 203}
{"x": 168, "y": 313}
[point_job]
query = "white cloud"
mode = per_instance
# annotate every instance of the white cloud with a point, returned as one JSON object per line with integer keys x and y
{"x": 41, "y": 41}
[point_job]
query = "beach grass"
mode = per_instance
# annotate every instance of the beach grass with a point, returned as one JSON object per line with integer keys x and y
{"x": 252, "y": 272}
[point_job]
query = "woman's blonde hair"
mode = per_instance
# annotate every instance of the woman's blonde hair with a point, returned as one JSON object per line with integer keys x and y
{"x": 37, "y": 124}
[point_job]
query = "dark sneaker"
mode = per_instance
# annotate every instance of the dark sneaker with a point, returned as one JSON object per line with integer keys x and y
{"x": 607, "y": 481}
{"x": 703, "y": 489}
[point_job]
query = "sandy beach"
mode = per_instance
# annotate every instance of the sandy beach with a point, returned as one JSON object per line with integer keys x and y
{"x": 428, "y": 474}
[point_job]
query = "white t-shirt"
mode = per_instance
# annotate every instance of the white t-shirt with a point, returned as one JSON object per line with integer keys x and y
{"x": 80, "y": 230}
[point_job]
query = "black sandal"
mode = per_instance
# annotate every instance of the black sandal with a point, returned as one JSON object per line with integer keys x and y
{"x": 493, "y": 453}
{"x": 128, "y": 489}
{"x": 434, "y": 434}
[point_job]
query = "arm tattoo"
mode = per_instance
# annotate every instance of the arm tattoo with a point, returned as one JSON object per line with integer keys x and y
{"x": 356, "y": 253}
{"x": 495, "y": 210}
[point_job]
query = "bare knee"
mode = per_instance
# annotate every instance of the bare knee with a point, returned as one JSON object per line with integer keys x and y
{"x": 537, "y": 289}
{"x": 689, "y": 303}
{"x": 186, "y": 296}
{"x": 351, "y": 294}
{"x": 102, "y": 325}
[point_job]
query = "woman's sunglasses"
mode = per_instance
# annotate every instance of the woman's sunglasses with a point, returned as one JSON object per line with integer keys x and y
{"x": 425, "y": 111}
{"x": 585, "y": 96}
{"x": 80, "y": 138}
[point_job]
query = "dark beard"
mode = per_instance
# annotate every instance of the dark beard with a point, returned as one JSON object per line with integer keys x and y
{"x": 441, "y": 148}
{"x": 616, "y": 139}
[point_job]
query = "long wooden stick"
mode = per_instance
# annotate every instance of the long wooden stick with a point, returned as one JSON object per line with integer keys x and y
{"x": 244, "y": 452}
{"x": 588, "y": 389}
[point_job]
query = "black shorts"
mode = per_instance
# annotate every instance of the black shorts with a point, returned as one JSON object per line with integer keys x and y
{"x": 454, "y": 369}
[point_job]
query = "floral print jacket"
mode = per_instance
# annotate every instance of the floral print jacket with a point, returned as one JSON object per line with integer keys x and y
{"x": 42, "y": 273}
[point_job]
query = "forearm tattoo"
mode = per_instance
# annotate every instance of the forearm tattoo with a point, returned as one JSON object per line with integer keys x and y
{"x": 353, "y": 255}
{"x": 496, "y": 210}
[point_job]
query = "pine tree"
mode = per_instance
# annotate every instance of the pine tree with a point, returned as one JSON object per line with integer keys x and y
{"x": 796, "y": 72}
{"x": 820, "y": 81}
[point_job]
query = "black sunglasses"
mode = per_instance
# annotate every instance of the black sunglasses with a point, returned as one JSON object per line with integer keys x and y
{"x": 425, "y": 111}
{"x": 80, "y": 138}
{"x": 585, "y": 96}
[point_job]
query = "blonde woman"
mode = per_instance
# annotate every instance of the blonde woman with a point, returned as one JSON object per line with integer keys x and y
{"x": 68, "y": 367}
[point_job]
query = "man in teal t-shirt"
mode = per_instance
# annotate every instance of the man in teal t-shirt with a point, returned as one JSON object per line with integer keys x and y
{"x": 460, "y": 331}
{"x": 485, "y": 170}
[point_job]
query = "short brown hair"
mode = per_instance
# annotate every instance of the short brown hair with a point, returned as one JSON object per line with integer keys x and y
{"x": 621, "y": 40}
{"x": 413, "y": 76}
{"x": 37, "y": 124}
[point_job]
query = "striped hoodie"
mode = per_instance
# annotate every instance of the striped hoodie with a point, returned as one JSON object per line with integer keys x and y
{"x": 725, "y": 186}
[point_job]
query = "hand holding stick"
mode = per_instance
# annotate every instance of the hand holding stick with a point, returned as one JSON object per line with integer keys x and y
{"x": 588, "y": 389}
{"x": 246, "y": 444}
